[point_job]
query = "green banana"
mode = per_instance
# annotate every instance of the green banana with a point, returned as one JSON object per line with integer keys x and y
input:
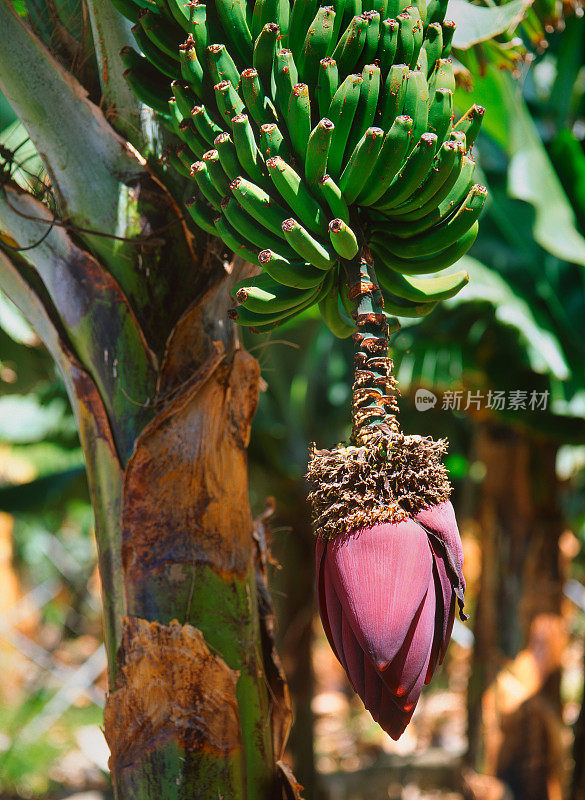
{"x": 393, "y": 95}
{"x": 410, "y": 37}
{"x": 436, "y": 11}
{"x": 227, "y": 155}
{"x": 184, "y": 97}
{"x": 421, "y": 290}
{"x": 202, "y": 215}
{"x": 293, "y": 191}
{"x": 298, "y": 274}
{"x": 272, "y": 142}
{"x": 433, "y": 45}
{"x": 216, "y": 172}
{"x": 341, "y": 113}
{"x": 263, "y": 295}
{"x": 424, "y": 266}
{"x": 246, "y": 148}
{"x": 331, "y": 194}
{"x": 409, "y": 178}
{"x": 259, "y": 205}
{"x": 439, "y": 174}
{"x": 150, "y": 92}
{"x": 343, "y": 239}
{"x": 157, "y": 57}
{"x": 367, "y": 104}
{"x": 233, "y": 17}
{"x": 191, "y": 138}
{"x": 264, "y": 50}
{"x": 388, "y": 44}
{"x": 264, "y": 11}
{"x": 441, "y": 114}
{"x": 470, "y": 123}
{"x": 372, "y": 37}
{"x": 254, "y": 319}
{"x": 305, "y": 245}
{"x": 442, "y": 76}
{"x": 299, "y": 119}
{"x": 317, "y": 151}
{"x": 221, "y": 65}
{"x": 229, "y": 102}
{"x": 350, "y": 46}
{"x": 335, "y": 316}
{"x": 160, "y": 31}
{"x": 403, "y": 308}
{"x": 360, "y": 164}
{"x": 201, "y": 174}
{"x": 302, "y": 14}
{"x": 285, "y": 77}
{"x": 316, "y": 44}
{"x": 233, "y": 240}
{"x": 440, "y": 237}
{"x": 258, "y": 105}
{"x": 251, "y": 231}
{"x": 448, "y": 28}
{"x": 392, "y": 153}
{"x": 327, "y": 84}
{"x": 416, "y": 103}
{"x": 288, "y": 316}
{"x": 204, "y": 125}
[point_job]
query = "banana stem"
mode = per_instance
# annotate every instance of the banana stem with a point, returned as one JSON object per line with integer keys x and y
{"x": 374, "y": 407}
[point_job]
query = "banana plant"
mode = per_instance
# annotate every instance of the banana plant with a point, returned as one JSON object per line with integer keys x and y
{"x": 316, "y": 144}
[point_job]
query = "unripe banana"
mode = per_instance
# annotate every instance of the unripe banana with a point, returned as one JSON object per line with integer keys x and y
{"x": 360, "y": 164}
{"x": 448, "y": 28}
{"x": 410, "y": 37}
{"x": 264, "y": 11}
{"x": 351, "y": 44}
{"x": 272, "y": 142}
{"x": 388, "y": 45}
{"x": 233, "y": 17}
{"x": 316, "y": 44}
{"x": 221, "y": 65}
{"x": 331, "y": 194}
{"x": 191, "y": 138}
{"x": 327, "y": 84}
{"x": 302, "y": 14}
{"x": 428, "y": 265}
{"x": 441, "y": 114}
{"x": 334, "y": 315}
{"x": 306, "y": 246}
{"x": 293, "y": 191}
{"x": 416, "y": 103}
{"x": 299, "y": 119}
{"x": 263, "y": 295}
{"x": 204, "y": 125}
{"x": 159, "y": 31}
{"x": 285, "y": 77}
{"x": 392, "y": 153}
{"x": 259, "y": 205}
{"x": 264, "y": 51}
{"x": 258, "y": 105}
{"x": 318, "y": 151}
{"x": 233, "y": 240}
{"x": 155, "y": 56}
{"x": 200, "y": 172}
{"x": 148, "y": 91}
{"x": 442, "y": 76}
{"x": 367, "y": 104}
{"x": 228, "y": 101}
{"x": 470, "y": 123}
{"x": 227, "y": 155}
{"x": 252, "y": 232}
{"x": 411, "y": 175}
{"x": 298, "y": 274}
{"x": 341, "y": 113}
{"x": 403, "y": 308}
{"x": 433, "y": 45}
{"x": 421, "y": 290}
{"x": 184, "y": 97}
{"x": 393, "y": 95}
{"x": 372, "y": 37}
{"x": 203, "y": 216}
{"x": 442, "y": 169}
{"x": 442, "y": 236}
{"x": 216, "y": 172}
{"x": 343, "y": 239}
{"x": 246, "y": 148}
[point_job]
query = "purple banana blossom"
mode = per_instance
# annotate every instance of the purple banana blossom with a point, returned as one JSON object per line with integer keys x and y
{"x": 387, "y": 597}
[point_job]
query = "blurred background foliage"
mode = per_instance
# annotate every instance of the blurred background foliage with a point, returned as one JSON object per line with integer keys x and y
{"x": 504, "y": 719}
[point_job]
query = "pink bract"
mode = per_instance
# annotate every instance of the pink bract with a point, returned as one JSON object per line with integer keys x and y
{"x": 387, "y": 597}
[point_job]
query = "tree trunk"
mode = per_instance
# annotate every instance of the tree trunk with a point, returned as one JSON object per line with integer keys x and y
{"x": 515, "y": 724}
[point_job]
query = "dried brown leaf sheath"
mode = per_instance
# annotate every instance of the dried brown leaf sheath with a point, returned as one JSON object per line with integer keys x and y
{"x": 169, "y": 685}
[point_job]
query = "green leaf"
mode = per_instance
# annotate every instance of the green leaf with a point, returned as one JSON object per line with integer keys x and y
{"x": 531, "y": 175}
{"x": 479, "y": 23}
{"x": 544, "y": 351}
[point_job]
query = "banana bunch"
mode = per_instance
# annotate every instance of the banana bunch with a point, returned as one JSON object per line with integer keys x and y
{"x": 316, "y": 134}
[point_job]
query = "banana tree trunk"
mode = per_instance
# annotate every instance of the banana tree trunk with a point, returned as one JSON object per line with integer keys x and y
{"x": 515, "y": 724}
